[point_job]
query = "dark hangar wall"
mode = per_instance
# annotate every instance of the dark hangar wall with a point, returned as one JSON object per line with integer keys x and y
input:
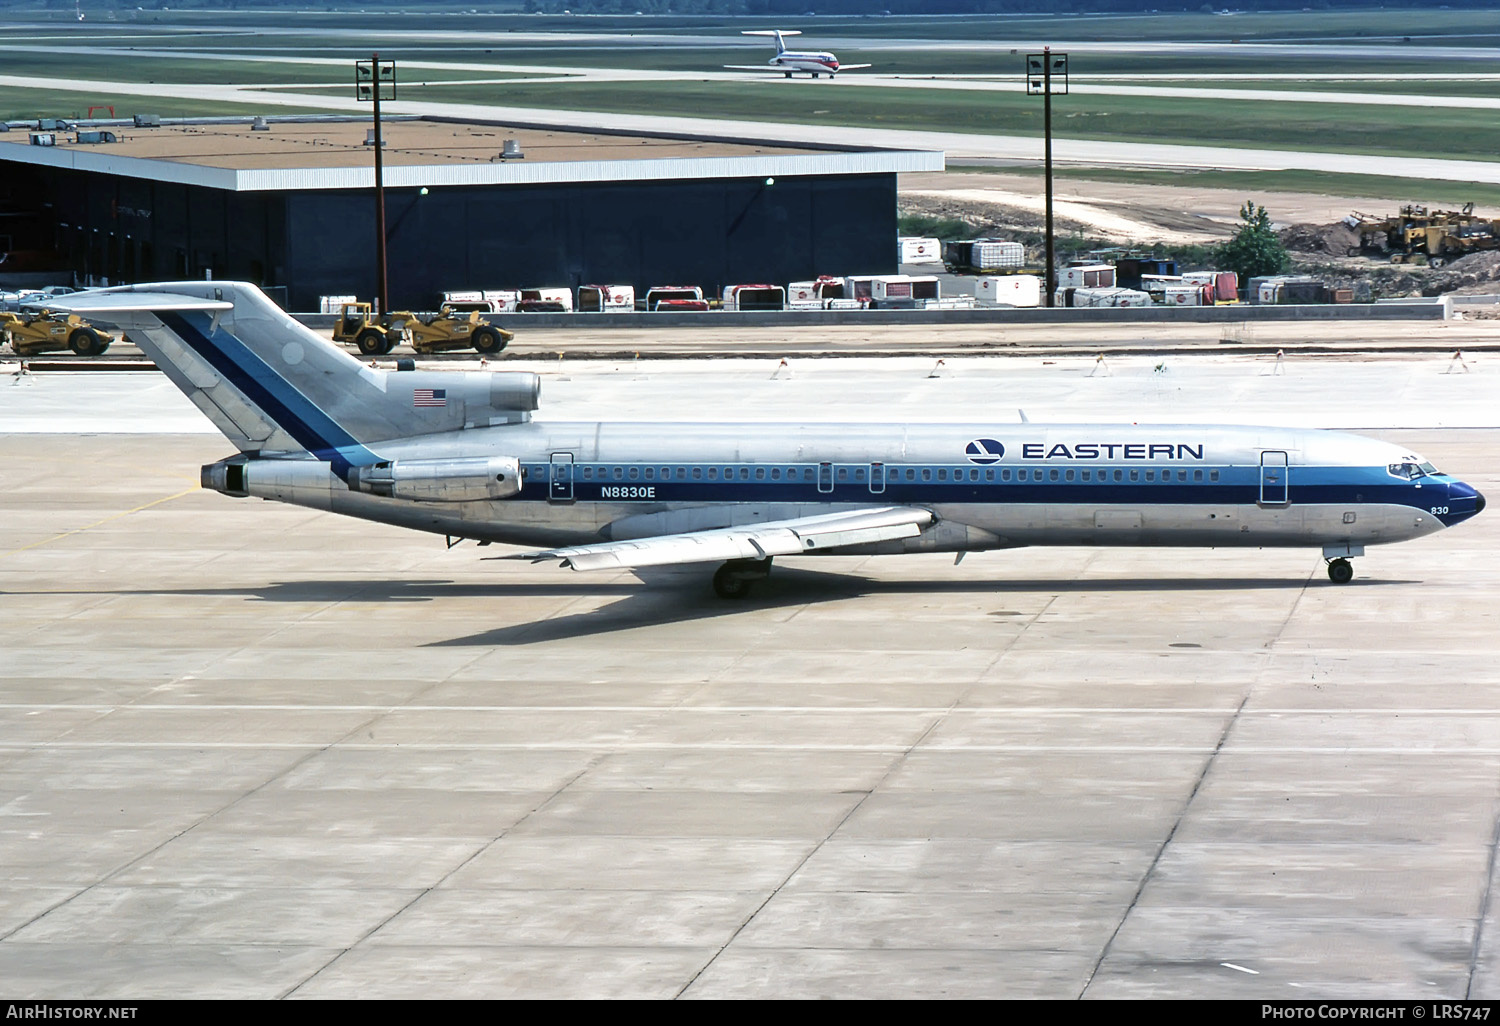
{"x": 111, "y": 229}
{"x": 709, "y": 233}
{"x": 706, "y": 232}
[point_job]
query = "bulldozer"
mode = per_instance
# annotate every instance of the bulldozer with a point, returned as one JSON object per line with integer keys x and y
{"x": 44, "y": 332}
{"x": 1416, "y": 233}
{"x": 448, "y": 329}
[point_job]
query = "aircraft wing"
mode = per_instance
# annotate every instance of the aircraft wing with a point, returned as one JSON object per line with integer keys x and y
{"x": 854, "y": 67}
{"x": 748, "y": 541}
{"x": 756, "y": 67}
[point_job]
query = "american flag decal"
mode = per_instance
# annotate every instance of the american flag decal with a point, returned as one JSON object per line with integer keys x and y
{"x": 429, "y": 397}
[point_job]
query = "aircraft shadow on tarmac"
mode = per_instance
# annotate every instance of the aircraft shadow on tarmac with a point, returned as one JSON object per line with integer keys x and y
{"x": 671, "y": 596}
{"x": 679, "y": 595}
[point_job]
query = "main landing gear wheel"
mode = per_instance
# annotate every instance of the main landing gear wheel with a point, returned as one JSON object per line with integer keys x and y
{"x": 1340, "y": 571}
{"x": 734, "y": 578}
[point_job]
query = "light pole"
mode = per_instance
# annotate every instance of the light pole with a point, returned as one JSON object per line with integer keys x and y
{"x": 1043, "y": 72}
{"x": 375, "y": 80}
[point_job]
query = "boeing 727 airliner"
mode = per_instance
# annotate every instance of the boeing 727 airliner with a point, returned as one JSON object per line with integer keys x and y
{"x": 787, "y": 61}
{"x": 459, "y": 454}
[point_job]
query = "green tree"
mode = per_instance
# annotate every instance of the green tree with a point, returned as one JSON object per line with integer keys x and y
{"x": 1255, "y": 250}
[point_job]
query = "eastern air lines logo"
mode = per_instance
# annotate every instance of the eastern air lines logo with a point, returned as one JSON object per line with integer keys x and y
{"x": 984, "y": 451}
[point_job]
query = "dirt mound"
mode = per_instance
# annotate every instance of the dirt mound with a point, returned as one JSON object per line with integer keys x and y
{"x": 1482, "y": 264}
{"x": 1336, "y": 239}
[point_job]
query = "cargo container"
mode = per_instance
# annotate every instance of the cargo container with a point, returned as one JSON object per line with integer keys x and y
{"x": 335, "y": 304}
{"x": 904, "y": 286}
{"x": 813, "y": 294}
{"x": 606, "y": 299}
{"x": 1128, "y": 270}
{"x": 1086, "y": 276}
{"x": 754, "y": 297}
{"x": 858, "y": 287}
{"x": 1095, "y": 297}
{"x": 485, "y": 300}
{"x": 913, "y": 250}
{"x": 675, "y": 297}
{"x": 1182, "y": 295}
{"x": 1286, "y": 288}
{"x": 1224, "y": 285}
{"x": 1009, "y": 289}
{"x": 984, "y": 255}
{"x": 553, "y": 300}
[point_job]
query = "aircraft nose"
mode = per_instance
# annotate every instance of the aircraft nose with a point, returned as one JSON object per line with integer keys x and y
{"x": 1464, "y": 501}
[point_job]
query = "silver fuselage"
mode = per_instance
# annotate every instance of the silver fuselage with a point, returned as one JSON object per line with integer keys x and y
{"x": 988, "y": 486}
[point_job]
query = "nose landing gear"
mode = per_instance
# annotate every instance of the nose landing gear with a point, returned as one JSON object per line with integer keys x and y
{"x": 1340, "y": 571}
{"x": 734, "y": 578}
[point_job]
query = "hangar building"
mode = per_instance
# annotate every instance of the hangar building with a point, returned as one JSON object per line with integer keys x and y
{"x": 289, "y": 204}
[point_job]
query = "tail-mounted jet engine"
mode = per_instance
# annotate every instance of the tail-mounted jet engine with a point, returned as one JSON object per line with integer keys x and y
{"x": 463, "y": 479}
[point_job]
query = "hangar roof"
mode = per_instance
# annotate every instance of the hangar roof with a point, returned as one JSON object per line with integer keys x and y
{"x": 330, "y": 153}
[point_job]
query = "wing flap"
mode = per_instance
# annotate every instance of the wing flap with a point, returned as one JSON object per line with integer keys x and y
{"x": 816, "y": 533}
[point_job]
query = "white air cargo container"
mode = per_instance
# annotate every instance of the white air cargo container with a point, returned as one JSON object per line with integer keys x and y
{"x": 997, "y": 254}
{"x": 487, "y": 300}
{"x": 1086, "y": 276}
{"x": 335, "y": 304}
{"x": 606, "y": 299}
{"x": 668, "y": 298}
{"x": 1182, "y": 295}
{"x": 1009, "y": 289}
{"x": 553, "y": 300}
{"x": 914, "y": 250}
{"x": 753, "y": 297}
{"x": 1225, "y": 284}
{"x": 859, "y": 287}
{"x": 811, "y": 295}
{"x": 1102, "y": 297}
{"x": 904, "y": 286}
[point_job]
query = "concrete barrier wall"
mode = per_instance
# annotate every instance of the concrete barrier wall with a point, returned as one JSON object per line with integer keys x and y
{"x": 1399, "y": 309}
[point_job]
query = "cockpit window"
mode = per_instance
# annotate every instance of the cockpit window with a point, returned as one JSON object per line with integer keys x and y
{"x": 1410, "y": 469}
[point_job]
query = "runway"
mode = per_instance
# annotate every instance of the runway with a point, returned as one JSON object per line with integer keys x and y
{"x": 251, "y": 750}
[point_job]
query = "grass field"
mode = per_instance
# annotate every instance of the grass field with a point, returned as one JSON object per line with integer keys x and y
{"x": 29, "y": 104}
{"x": 1353, "y": 128}
{"x": 1423, "y": 25}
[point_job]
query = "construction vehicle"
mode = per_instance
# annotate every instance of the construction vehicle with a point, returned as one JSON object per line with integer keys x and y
{"x": 32, "y": 333}
{"x": 1416, "y": 233}
{"x": 447, "y": 329}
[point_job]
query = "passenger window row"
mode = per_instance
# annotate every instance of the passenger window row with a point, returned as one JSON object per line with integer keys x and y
{"x": 858, "y": 474}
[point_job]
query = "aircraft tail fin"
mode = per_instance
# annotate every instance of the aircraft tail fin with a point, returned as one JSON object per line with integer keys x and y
{"x": 777, "y": 33}
{"x": 271, "y": 384}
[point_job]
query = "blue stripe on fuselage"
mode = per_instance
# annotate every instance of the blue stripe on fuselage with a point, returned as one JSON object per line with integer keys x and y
{"x": 1238, "y": 485}
{"x": 288, "y": 408}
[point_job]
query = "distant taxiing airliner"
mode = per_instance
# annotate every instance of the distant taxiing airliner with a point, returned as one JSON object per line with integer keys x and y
{"x": 787, "y": 61}
{"x": 459, "y": 454}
